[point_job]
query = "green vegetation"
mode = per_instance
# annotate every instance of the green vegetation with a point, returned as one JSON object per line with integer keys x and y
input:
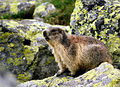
{"x": 20, "y": 15}
{"x": 62, "y": 16}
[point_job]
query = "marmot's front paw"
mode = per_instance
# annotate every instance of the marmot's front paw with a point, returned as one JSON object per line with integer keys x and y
{"x": 59, "y": 73}
{"x": 71, "y": 74}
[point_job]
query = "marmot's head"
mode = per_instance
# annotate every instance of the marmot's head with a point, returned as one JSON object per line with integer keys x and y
{"x": 55, "y": 34}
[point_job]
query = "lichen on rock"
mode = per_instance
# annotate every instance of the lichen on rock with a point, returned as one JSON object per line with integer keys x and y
{"x": 105, "y": 75}
{"x": 16, "y": 9}
{"x": 100, "y": 19}
{"x": 44, "y": 10}
{"x": 24, "y": 51}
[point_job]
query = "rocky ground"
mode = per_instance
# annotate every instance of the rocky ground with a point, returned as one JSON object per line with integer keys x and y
{"x": 103, "y": 76}
{"x": 25, "y": 53}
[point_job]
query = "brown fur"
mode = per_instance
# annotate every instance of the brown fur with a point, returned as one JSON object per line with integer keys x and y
{"x": 76, "y": 53}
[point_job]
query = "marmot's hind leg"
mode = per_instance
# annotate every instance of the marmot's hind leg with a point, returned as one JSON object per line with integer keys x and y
{"x": 97, "y": 54}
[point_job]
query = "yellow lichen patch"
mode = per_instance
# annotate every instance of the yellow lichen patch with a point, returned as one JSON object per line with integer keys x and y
{"x": 1, "y": 49}
{"x": 11, "y": 45}
{"x": 29, "y": 54}
{"x": 89, "y": 75}
{"x": 97, "y": 85}
{"x": 43, "y": 82}
{"x": 0, "y": 28}
{"x": 24, "y": 77}
{"x": 21, "y": 33}
{"x": 106, "y": 21}
{"x": 114, "y": 41}
{"x": 5, "y": 35}
{"x": 99, "y": 9}
{"x": 78, "y": 3}
{"x": 15, "y": 61}
{"x": 117, "y": 16}
{"x": 39, "y": 9}
{"x": 51, "y": 81}
{"x": 12, "y": 24}
{"x": 112, "y": 14}
{"x": 14, "y": 7}
{"x": 3, "y": 6}
{"x": 58, "y": 80}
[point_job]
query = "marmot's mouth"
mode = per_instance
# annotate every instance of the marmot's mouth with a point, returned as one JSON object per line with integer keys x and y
{"x": 47, "y": 38}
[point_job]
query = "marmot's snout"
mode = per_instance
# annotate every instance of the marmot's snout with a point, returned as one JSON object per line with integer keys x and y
{"x": 45, "y": 34}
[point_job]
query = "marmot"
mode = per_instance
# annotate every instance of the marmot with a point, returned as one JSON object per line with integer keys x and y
{"x": 75, "y": 52}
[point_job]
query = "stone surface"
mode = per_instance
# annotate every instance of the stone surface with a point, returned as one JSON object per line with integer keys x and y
{"x": 105, "y": 75}
{"x": 17, "y": 9}
{"x": 44, "y": 10}
{"x": 7, "y": 79}
{"x": 24, "y": 52}
{"x": 100, "y": 19}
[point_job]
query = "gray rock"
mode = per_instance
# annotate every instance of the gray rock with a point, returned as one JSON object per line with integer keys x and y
{"x": 17, "y": 9}
{"x": 109, "y": 78}
{"x": 44, "y": 10}
{"x": 24, "y": 51}
{"x": 100, "y": 19}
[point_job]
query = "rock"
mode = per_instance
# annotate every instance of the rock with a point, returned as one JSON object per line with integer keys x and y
{"x": 100, "y": 19}
{"x": 105, "y": 75}
{"x": 12, "y": 1}
{"x": 23, "y": 50}
{"x": 17, "y": 10}
{"x": 44, "y": 10}
{"x": 7, "y": 79}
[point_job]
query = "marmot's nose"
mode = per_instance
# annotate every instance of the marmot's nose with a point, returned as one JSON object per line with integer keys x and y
{"x": 45, "y": 33}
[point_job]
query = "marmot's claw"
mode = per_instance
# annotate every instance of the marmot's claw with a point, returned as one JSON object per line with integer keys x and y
{"x": 71, "y": 74}
{"x": 58, "y": 73}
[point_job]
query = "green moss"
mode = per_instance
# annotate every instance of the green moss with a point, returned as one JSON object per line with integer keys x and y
{"x": 63, "y": 13}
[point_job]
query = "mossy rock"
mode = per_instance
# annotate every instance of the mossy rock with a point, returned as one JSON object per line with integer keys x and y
{"x": 105, "y": 75}
{"x": 100, "y": 19}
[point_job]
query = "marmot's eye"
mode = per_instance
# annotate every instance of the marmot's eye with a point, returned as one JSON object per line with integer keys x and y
{"x": 53, "y": 31}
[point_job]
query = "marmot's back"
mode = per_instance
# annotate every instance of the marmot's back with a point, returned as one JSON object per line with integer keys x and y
{"x": 85, "y": 40}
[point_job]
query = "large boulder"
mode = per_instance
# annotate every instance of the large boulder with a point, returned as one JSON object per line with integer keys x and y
{"x": 24, "y": 52}
{"x": 100, "y": 19}
{"x": 17, "y": 9}
{"x": 105, "y": 75}
{"x": 44, "y": 10}
{"x": 7, "y": 79}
